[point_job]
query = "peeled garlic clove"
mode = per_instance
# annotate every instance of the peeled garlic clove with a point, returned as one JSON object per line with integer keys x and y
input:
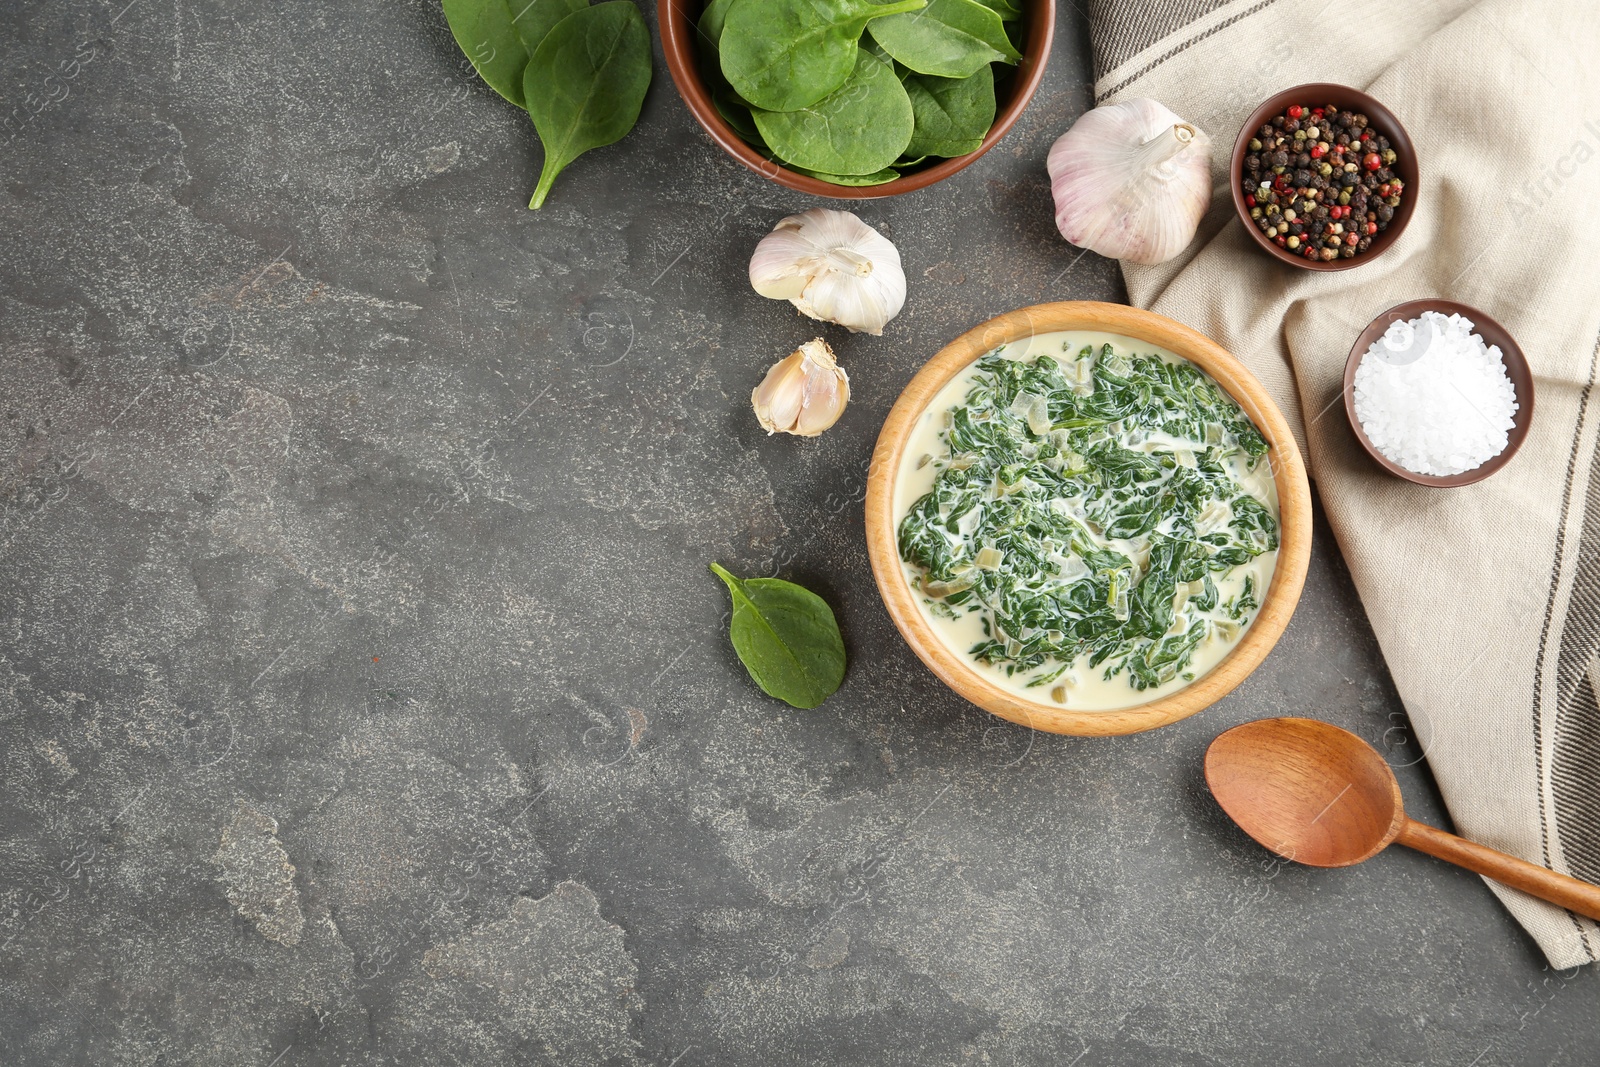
{"x": 1131, "y": 181}
{"x": 804, "y": 393}
{"x": 833, "y": 267}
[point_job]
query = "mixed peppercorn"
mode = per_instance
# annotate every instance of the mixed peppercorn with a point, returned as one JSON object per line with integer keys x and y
{"x": 1320, "y": 182}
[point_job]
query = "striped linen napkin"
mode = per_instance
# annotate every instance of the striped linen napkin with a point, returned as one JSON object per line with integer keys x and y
{"x": 1486, "y": 599}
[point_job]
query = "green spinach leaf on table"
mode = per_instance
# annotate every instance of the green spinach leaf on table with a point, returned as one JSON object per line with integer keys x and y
{"x": 534, "y": 19}
{"x": 860, "y": 128}
{"x": 585, "y": 84}
{"x": 782, "y": 55}
{"x": 487, "y": 33}
{"x": 786, "y": 637}
{"x": 950, "y": 38}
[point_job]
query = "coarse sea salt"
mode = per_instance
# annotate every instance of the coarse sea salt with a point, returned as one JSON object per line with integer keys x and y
{"x": 1447, "y": 412}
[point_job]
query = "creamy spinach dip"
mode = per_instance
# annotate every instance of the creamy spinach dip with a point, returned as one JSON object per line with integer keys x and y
{"x": 1090, "y": 520}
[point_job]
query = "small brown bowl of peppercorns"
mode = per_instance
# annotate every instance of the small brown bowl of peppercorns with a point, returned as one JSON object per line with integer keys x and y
{"x": 1324, "y": 176}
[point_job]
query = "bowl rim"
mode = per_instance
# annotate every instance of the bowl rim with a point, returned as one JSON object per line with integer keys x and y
{"x": 1289, "y": 474}
{"x": 1517, "y": 369}
{"x": 677, "y": 42}
{"x": 1375, "y": 110}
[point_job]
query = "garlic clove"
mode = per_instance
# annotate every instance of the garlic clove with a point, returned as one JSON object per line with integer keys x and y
{"x": 779, "y": 269}
{"x": 843, "y": 298}
{"x": 1131, "y": 181}
{"x": 778, "y": 400}
{"x": 790, "y": 286}
{"x": 804, "y": 393}
{"x": 833, "y": 267}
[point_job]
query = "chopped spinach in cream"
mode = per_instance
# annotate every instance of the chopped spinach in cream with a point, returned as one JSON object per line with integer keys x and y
{"x": 1090, "y": 505}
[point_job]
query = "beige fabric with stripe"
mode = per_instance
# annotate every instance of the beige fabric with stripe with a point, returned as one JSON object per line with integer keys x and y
{"x": 1486, "y": 599}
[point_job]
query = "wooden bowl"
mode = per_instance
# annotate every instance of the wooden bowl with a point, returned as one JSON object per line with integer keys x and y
{"x": 1382, "y": 119}
{"x": 1294, "y": 508}
{"x": 678, "y": 31}
{"x": 1493, "y": 333}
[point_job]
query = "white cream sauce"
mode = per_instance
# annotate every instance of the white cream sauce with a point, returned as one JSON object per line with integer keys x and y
{"x": 1085, "y": 689}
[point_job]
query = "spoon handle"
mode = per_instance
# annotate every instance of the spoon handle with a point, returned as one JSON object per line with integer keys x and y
{"x": 1541, "y": 882}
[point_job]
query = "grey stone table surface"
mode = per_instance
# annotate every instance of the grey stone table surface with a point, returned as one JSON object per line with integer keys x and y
{"x": 364, "y": 697}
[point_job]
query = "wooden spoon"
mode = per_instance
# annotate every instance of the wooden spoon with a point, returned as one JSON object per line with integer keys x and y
{"x": 1319, "y": 795}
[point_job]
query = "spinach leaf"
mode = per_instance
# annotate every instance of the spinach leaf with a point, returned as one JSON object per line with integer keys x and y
{"x": 1008, "y": 10}
{"x": 953, "y": 115}
{"x": 860, "y": 128}
{"x": 712, "y": 20}
{"x": 534, "y": 19}
{"x": 486, "y": 32}
{"x": 736, "y": 113}
{"x": 1016, "y": 33}
{"x": 950, "y": 38}
{"x": 585, "y": 84}
{"x": 783, "y": 55}
{"x": 877, "y": 177}
{"x": 709, "y": 34}
{"x": 786, "y": 637}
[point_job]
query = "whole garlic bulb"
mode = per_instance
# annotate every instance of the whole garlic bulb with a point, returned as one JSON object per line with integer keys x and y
{"x": 1131, "y": 181}
{"x": 833, "y": 267}
{"x": 804, "y": 393}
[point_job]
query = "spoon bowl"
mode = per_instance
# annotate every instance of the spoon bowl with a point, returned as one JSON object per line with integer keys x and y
{"x": 1321, "y": 796}
{"x": 1306, "y": 790}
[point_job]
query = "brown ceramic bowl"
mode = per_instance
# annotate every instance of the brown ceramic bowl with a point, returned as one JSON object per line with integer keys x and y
{"x": 1493, "y": 333}
{"x": 1289, "y": 474}
{"x": 678, "y": 19}
{"x": 1382, "y": 119}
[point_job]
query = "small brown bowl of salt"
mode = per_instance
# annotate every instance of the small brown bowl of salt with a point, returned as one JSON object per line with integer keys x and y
{"x": 1438, "y": 393}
